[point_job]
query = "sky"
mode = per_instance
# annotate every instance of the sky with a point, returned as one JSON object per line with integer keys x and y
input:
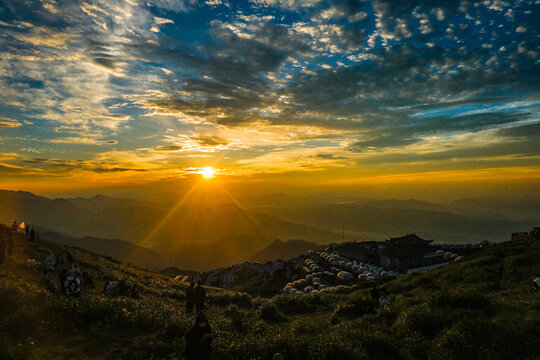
{"x": 102, "y": 93}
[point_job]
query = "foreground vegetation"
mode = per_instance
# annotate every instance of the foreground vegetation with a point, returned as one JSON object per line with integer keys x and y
{"x": 460, "y": 311}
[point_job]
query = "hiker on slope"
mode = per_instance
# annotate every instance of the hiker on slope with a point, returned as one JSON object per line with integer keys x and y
{"x": 199, "y": 339}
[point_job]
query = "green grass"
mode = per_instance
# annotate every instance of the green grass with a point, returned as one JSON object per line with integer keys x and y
{"x": 460, "y": 311}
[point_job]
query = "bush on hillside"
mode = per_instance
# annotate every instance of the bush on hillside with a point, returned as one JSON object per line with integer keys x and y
{"x": 295, "y": 304}
{"x": 358, "y": 308}
{"x": 227, "y": 298}
{"x": 423, "y": 319}
{"x": 269, "y": 311}
{"x": 461, "y": 299}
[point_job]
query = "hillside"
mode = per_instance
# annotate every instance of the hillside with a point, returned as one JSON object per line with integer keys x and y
{"x": 458, "y": 311}
{"x": 117, "y": 249}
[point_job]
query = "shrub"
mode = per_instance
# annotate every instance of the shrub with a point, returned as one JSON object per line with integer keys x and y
{"x": 469, "y": 338}
{"x": 220, "y": 298}
{"x": 295, "y": 304}
{"x": 423, "y": 319}
{"x": 311, "y": 326}
{"x": 242, "y": 299}
{"x": 380, "y": 346}
{"x": 461, "y": 299}
{"x": 269, "y": 311}
{"x": 356, "y": 309}
{"x": 174, "y": 331}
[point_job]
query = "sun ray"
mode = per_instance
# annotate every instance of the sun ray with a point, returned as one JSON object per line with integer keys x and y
{"x": 242, "y": 209}
{"x": 169, "y": 214}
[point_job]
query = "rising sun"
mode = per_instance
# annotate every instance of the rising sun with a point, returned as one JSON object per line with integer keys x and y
{"x": 208, "y": 172}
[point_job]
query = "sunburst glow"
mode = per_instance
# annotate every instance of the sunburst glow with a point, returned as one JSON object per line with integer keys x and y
{"x": 208, "y": 172}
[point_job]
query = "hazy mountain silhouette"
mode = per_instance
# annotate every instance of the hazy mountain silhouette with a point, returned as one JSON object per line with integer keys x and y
{"x": 284, "y": 250}
{"x": 377, "y": 221}
{"x": 506, "y": 208}
{"x": 196, "y": 236}
{"x": 117, "y": 249}
{"x": 204, "y": 231}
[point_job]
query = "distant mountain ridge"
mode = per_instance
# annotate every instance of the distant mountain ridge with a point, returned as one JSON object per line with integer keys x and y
{"x": 199, "y": 234}
{"x": 197, "y": 237}
{"x": 284, "y": 250}
{"x": 120, "y": 250}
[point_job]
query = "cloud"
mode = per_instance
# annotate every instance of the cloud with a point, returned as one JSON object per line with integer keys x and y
{"x": 331, "y": 157}
{"x": 168, "y": 148}
{"x": 44, "y": 36}
{"x": 9, "y": 123}
{"x": 216, "y": 3}
{"x": 106, "y": 63}
{"x": 161, "y": 21}
{"x": 91, "y": 140}
{"x": 231, "y": 84}
{"x": 64, "y": 165}
{"x": 363, "y": 78}
{"x": 209, "y": 140}
{"x": 417, "y": 129}
{"x": 287, "y": 4}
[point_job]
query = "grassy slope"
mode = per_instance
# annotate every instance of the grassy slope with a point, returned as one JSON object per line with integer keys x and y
{"x": 460, "y": 311}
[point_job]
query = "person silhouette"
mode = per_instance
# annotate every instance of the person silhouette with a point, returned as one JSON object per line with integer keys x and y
{"x": 199, "y": 295}
{"x": 190, "y": 293}
{"x": 199, "y": 339}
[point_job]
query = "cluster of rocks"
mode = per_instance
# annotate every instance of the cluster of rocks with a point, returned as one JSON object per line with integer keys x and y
{"x": 327, "y": 271}
{"x": 449, "y": 256}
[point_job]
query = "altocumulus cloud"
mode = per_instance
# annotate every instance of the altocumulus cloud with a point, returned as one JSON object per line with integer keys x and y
{"x": 361, "y": 77}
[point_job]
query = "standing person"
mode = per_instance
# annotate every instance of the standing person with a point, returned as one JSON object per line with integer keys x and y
{"x": 199, "y": 295}
{"x": 190, "y": 294}
{"x": 69, "y": 260}
{"x": 32, "y": 235}
{"x": 63, "y": 276}
{"x": 14, "y": 226}
{"x": 199, "y": 339}
{"x": 27, "y": 230}
{"x": 72, "y": 284}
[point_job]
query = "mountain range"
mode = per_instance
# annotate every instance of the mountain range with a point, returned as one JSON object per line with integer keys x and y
{"x": 199, "y": 232}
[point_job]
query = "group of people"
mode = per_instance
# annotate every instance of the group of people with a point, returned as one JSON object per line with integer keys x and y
{"x": 195, "y": 296}
{"x": 198, "y": 337}
{"x": 31, "y": 234}
{"x": 121, "y": 288}
{"x": 70, "y": 279}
